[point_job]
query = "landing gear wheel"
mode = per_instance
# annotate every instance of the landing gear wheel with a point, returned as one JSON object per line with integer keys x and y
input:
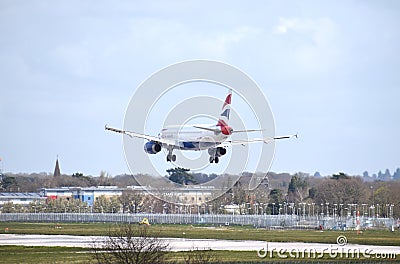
{"x": 171, "y": 157}
{"x": 216, "y": 160}
{"x": 211, "y": 159}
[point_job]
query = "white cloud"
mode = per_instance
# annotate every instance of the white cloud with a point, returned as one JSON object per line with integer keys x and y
{"x": 219, "y": 44}
{"x": 313, "y": 43}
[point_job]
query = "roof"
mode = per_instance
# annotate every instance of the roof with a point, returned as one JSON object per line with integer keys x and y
{"x": 19, "y": 195}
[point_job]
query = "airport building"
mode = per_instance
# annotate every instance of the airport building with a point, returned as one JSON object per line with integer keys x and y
{"x": 85, "y": 194}
{"x": 19, "y": 198}
{"x": 192, "y": 194}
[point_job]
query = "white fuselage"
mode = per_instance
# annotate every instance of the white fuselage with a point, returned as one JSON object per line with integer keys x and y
{"x": 188, "y": 137}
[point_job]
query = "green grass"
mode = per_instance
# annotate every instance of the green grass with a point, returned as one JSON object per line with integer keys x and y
{"x": 369, "y": 237}
{"x": 23, "y": 254}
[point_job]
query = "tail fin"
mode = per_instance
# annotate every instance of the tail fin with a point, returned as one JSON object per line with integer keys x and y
{"x": 224, "y": 116}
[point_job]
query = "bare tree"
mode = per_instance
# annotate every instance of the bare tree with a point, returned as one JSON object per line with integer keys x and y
{"x": 130, "y": 244}
{"x": 198, "y": 256}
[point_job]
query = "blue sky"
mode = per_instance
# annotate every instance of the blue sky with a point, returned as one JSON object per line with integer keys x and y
{"x": 330, "y": 71}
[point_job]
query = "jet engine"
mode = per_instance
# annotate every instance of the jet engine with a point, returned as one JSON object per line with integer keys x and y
{"x": 152, "y": 147}
{"x": 220, "y": 151}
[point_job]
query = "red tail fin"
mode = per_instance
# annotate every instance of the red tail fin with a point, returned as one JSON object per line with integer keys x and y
{"x": 224, "y": 116}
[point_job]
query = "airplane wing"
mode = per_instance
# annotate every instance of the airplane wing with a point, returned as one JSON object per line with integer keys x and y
{"x": 256, "y": 140}
{"x": 218, "y": 130}
{"x": 138, "y": 135}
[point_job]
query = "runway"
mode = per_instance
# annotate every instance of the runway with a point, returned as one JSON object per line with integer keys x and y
{"x": 182, "y": 244}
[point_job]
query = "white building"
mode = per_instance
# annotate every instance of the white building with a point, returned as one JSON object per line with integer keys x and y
{"x": 19, "y": 198}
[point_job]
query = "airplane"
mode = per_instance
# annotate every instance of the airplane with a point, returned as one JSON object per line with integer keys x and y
{"x": 213, "y": 138}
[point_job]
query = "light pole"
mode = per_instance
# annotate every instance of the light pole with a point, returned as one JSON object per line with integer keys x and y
{"x": 313, "y": 205}
{"x": 341, "y": 211}
{"x": 377, "y": 210}
{"x": 387, "y": 210}
{"x": 273, "y": 208}
{"x": 322, "y": 209}
{"x": 334, "y": 210}
{"x": 373, "y": 214}
{"x": 327, "y": 209}
{"x": 391, "y": 211}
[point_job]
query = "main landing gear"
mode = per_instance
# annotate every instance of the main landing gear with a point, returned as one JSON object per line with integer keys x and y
{"x": 170, "y": 156}
{"x": 214, "y": 159}
{"x": 215, "y": 153}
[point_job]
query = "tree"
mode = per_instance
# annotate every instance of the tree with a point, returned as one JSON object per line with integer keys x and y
{"x": 387, "y": 176}
{"x": 297, "y": 188}
{"x": 105, "y": 204}
{"x": 317, "y": 174}
{"x": 181, "y": 176}
{"x": 343, "y": 191}
{"x": 396, "y": 174}
{"x": 130, "y": 244}
{"x": 275, "y": 198}
{"x": 312, "y": 192}
{"x": 104, "y": 179}
{"x": 198, "y": 256}
{"x": 8, "y": 207}
{"x": 130, "y": 201}
{"x": 339, "y": 176}
{"x": 9, "y": 183}
{"x": 380, "y": 175}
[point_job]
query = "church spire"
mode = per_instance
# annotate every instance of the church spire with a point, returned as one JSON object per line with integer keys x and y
{"x": 57, "y": 171}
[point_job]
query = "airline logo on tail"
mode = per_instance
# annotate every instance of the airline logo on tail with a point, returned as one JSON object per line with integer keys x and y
{"x": 224, "y": 116}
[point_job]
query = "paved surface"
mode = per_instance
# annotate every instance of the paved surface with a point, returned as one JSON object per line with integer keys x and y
{"x": 181, "y": 244}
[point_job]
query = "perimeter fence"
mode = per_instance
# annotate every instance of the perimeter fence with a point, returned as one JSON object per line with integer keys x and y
{"x": 258, "y": 221}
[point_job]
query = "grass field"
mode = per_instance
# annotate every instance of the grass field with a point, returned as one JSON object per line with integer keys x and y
{"x": 24, "y": 254}
{"x": 369, "y": 237}
{"x": 34, "y": 255}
